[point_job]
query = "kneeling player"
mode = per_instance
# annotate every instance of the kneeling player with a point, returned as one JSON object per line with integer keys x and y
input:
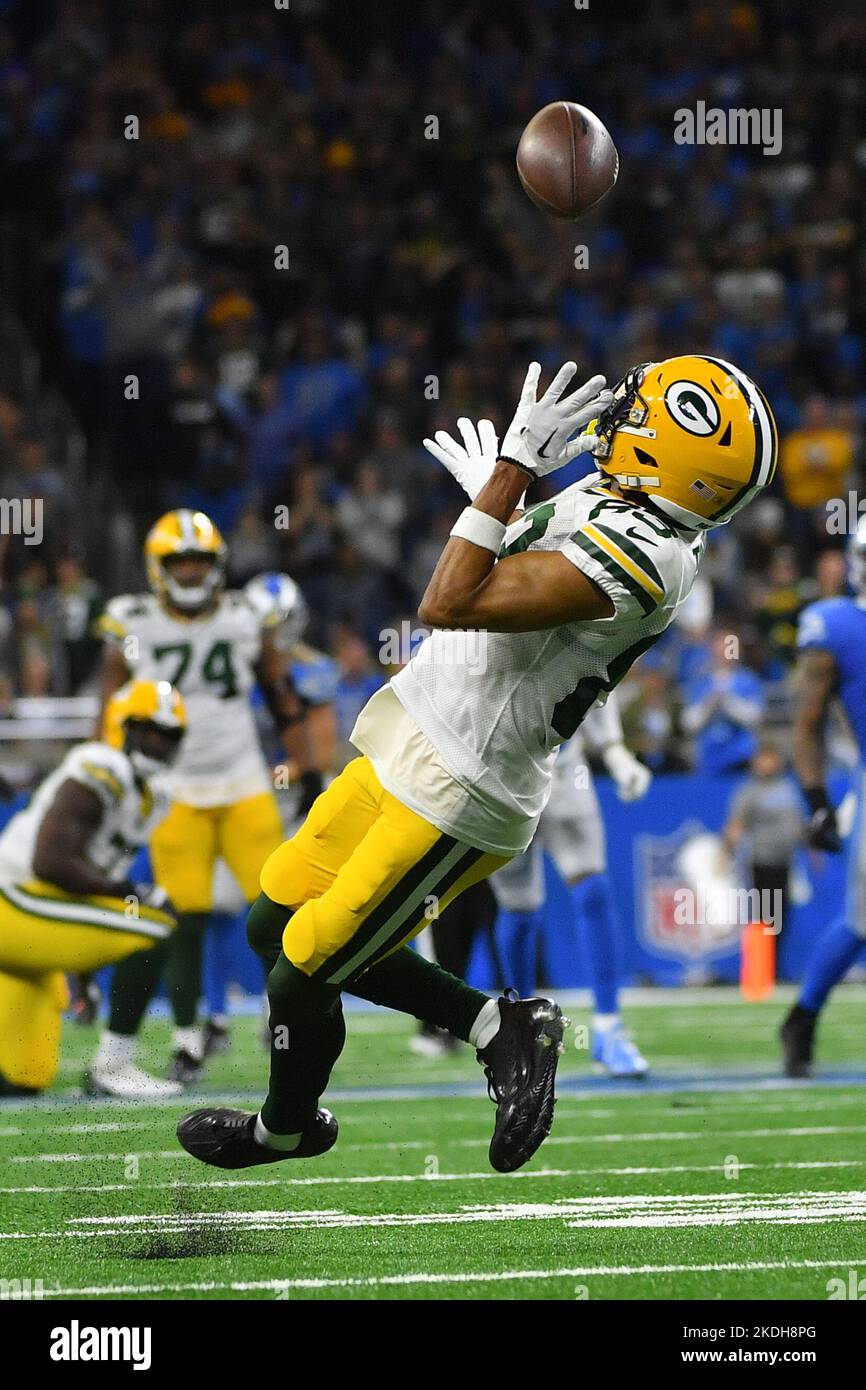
{"x": 458, "y": 748}
{"x": 66, "y": 904}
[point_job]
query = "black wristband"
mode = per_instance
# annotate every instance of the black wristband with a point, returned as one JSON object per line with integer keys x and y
{"x": 817, "y": 799}
{"x": 506, "y": 458}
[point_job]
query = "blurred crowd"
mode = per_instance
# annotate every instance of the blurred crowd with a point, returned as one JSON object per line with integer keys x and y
{"x": 264, "y": 251}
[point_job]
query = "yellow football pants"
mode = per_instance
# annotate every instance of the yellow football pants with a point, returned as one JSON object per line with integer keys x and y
{"x": 185, "y": 847}
{"x": 45, "y": 932}
{"x": 363, "y": 875}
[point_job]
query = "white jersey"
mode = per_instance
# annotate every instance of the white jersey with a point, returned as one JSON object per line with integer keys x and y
{"x": 496, "y": 708}
{"x": 211, "y": 660}
{"x": 130, "y": 813}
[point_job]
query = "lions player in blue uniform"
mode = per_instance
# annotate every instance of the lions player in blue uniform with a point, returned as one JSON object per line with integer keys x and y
{"x": 832, "y": 665}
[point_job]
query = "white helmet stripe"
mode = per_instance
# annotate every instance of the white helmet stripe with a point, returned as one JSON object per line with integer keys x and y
{"x": 765, "y": 438}
{"x": 164, "y": 712}
{"x": 760, "y": 414}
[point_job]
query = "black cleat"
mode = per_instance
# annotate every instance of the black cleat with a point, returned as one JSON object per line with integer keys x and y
{"x": 184, "y": 1068}
{"x": 217, "y": 1038}
{"x": 520, "y": 1065}
{"x": 797, "y": 1035}
{"x": 225, "y": 1138}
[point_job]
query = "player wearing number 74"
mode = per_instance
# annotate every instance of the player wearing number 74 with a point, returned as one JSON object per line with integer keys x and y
{"x": 214, "y": 645}
{"x": 457, "y": 752}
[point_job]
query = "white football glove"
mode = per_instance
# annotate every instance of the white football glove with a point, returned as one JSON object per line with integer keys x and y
{"x": 538, "y": 437}
{"x": 472, "y": 462}
{"x": 631, "y": 776}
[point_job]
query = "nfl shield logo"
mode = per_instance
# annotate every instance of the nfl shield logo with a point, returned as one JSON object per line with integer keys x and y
{"x": 670, "y": 900}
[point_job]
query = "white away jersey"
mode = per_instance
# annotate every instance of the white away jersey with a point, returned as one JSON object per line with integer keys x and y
{"x": 211, "y": 660}
{"x": 496, "y": 707}
{"x": 130, "y": 813}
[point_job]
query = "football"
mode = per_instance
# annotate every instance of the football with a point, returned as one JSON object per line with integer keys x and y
{"x": 566, "y": 160}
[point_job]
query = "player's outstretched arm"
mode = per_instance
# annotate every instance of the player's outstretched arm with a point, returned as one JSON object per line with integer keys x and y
{"x": 521, "y": 593}
{"x": 535, "y": 590}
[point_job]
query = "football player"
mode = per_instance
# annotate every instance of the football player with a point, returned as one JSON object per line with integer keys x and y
{"x": 831, "y": 666}
{"x": 571, "y": 831}
{"x": 314, "y": 675}
{"x": 66, "y": 901}
{"x": 283, "y": 610}
{"x": 214, "y": 647}
{"x": 456, "y": 751}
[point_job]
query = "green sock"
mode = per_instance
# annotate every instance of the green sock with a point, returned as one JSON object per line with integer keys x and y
{"x": 307, "y": 1036}
{"x": 133, "y": 985}
{"x": 408, "y": 982}
{"x": 184, "y": 970}
{"x": 266, "y": 922}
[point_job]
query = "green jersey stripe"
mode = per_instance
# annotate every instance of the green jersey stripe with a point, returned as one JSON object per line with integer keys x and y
{"x": 608, "y": 563}
{"x": 634, "y": 552}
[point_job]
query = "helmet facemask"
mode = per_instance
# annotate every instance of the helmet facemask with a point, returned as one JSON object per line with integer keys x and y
{"x": 628, "y": 407}
{"x": 191, "y": 598}
{"x": 150, "y": 746}
{"x": 627, "y": 413}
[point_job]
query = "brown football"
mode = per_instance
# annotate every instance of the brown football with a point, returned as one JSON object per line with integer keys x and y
{"x": 566, "y": 160}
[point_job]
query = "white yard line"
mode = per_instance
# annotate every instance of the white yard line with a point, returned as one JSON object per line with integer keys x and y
{"x": 376, "y": 1178}
{"x": 640, "y": 1137}
{"x": 627, "y": 1211}
{"x": 480, "y": 1277}
{"x": 710, "y": 1082}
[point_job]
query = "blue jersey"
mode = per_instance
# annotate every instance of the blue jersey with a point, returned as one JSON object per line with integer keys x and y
{"x": 315, "y": 678}
{"x": 838, "y": 626}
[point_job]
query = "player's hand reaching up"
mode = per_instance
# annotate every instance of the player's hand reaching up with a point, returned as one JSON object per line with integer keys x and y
{"x": 471, "y": 462}
{"x": 537, "y": 439}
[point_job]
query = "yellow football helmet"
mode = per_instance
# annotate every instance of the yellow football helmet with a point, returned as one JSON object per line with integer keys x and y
{"x": 147, "y": 719}
{"x": 695, "y": 433}
{"x": 179, "y": 533}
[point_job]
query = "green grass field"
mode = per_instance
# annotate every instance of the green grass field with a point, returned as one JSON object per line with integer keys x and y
{"x": 717, "y": 1180}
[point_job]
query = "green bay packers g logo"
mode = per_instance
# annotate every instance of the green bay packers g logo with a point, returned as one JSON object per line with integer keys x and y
{"x": 692, "y": 407}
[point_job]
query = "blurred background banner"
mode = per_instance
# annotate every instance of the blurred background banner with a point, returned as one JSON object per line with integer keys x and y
{"x": 648, "y": 887}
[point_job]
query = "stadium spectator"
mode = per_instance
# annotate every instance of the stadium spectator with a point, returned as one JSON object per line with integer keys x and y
{"x": 76, "y": 603}
{"x": 359, "y": 678}
{"x": 816, "y": 459}
{"x": 723, "y": 708}
{"x": 420, "y": 294}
